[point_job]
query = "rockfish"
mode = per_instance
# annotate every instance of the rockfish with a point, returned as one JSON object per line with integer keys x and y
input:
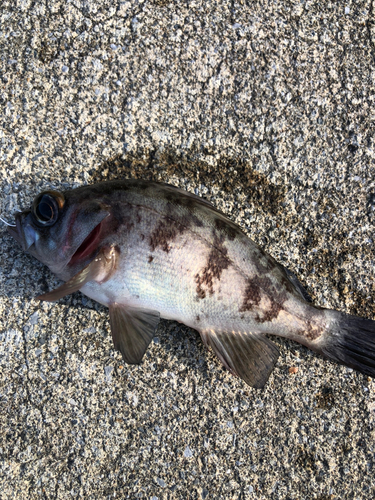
{"x": 148, "y": 250}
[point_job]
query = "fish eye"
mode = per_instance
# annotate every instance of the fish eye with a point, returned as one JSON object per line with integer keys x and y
{"x": 46, "y": 207}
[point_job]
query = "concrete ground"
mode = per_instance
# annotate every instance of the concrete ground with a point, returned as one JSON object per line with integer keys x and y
{"x": 267, "y": 110}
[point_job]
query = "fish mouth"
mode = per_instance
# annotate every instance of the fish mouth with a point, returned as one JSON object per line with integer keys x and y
{"x": 88, "y": 246}
{"x": 15, "y": 232}
{"x": 25, "y": 236}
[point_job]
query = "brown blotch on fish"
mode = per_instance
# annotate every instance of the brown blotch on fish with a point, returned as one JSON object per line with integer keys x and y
{"x": 256, "y": 288}
{"x": 264, "y": 263}
{"x": 252, "y": 294}
{"x": 216, "y": 263}
{"x": 143, "y": 185}
{"x": 150, "y": 258}
{"x": 313, "y": 328}
{"x": 182, "y": 201}
{"x": 164, "y": 233}
{"x": 312, "y": 331}
{"x": 184, "y": 217}
{"x": 128, "y": 225}
{"x": 227, "y": 228}
{"x": 272, "y": 312}
{"x": 201, "y": 294}
{"x": 287, "y": 284}
{"x": 124, "y": 219}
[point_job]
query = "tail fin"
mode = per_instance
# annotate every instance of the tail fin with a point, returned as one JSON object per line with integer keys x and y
{"x": 350, "y": 340}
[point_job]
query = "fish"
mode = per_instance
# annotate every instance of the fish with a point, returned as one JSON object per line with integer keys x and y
{"x": 149, "y": 250}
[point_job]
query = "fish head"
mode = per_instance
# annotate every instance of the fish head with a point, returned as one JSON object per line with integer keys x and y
{"x": 62, "y": 230}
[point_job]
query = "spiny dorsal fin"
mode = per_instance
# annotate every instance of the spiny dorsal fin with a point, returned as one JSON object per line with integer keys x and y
{"x": 132, "y": 330}
{"x": 251, "y": 357}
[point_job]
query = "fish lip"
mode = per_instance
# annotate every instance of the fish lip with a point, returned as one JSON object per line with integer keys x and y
{"x": 16, "y": 232}
{"x": 13, "y": 231}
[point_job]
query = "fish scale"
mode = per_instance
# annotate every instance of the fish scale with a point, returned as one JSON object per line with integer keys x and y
{"x": 148, "y": 250}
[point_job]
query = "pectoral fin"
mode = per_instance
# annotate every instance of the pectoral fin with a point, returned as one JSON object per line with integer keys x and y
{"x": 132, "y": 330}
{"x": 100, "y": 269}
{"x": 251, "y": 357}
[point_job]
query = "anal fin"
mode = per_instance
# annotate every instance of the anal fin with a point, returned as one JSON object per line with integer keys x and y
{"x": 132, "y": 330}
{"x": 251, "y": 357}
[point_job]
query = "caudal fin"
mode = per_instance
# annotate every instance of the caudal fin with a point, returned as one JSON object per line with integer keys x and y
{"x": 350, "y": 341}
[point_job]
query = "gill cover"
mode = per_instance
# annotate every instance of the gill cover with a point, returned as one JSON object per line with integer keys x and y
{"x": 100, "y": 270}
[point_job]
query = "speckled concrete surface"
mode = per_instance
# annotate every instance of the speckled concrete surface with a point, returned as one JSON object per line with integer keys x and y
{"x": 264, "y": 108}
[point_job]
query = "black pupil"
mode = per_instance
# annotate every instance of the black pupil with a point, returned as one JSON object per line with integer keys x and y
{"x": 45, "y": 209}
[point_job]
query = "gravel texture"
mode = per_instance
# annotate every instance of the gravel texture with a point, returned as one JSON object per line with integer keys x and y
{"x": 266, "y": 109}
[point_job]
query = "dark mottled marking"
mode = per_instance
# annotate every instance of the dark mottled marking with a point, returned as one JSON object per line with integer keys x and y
{"x": 174, "y": 224}
{"x": 128, "y": 225}
{"x": 138, "y": 218}
{"x": 187, "y": 202}
{"x": 124, "y": 218}
{"x": 272, "y": 312}
{"x": 311, "y": 332}
{"x": 216, "y": 263}
{"x": 150, "y": 258}
{"x": 297, "y": 287}
{"x": 201, "y": 294}
{"x": 252, "y": 294}
{"x": 170, "y": 197}
{"x": 142, "y": 236}
{"x": 181, "y": 199}
{"x": 226, "y": 227}
{"x": 141, "y": 184}
{"x": 186, "y": 216}
{"x": 195, "y": 220}
{"x": 312, "y": 329}
{"x": 188, "y": 219}
{"x": 256, "y": 288}
{"x": 285, "y": 282}
{"x": 263, "y": 262}
{"x": 164, "y": 233}
{"x": 197, "y": 318}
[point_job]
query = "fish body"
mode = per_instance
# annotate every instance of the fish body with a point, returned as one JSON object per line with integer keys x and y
{"x": 148, "y": 250}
